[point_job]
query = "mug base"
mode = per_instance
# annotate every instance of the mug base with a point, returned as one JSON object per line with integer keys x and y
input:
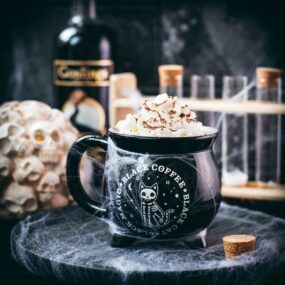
{"x": 197, "y": 240}
{"x": 122, "y": 241}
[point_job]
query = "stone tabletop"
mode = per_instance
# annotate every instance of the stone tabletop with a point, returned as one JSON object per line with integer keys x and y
{"x": 73, "y": 246}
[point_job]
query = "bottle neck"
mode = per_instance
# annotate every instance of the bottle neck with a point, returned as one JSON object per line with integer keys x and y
{"x": 83, "y": 11}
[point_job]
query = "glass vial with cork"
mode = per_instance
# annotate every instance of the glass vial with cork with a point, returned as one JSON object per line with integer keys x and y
{"x": 203, "y": 88}
{"x": 268, "y": 128}
{"x": 171, "y": 79}
{"x": 235, "y": 134}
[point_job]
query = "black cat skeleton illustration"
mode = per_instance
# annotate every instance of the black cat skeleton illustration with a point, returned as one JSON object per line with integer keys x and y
{"x": 152, "y": 214}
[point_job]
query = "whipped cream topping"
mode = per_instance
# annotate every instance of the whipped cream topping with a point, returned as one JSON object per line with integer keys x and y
{"x": 164, "y": 116}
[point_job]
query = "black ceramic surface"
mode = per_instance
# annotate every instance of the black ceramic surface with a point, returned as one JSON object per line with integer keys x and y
{"x": 164, "y": 145}
{"x": 74, "y": 246}
{"x": 157, "y": 192}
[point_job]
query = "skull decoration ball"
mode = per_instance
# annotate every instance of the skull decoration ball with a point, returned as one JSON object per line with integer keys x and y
{"x": 34, "y": 140}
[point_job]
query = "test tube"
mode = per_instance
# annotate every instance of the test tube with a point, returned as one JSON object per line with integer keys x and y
{"x": 171, "y": 79}
{"x": 203, "y": 87}
{"x": 268, "y": 128}
{"x": 235, "y": 134}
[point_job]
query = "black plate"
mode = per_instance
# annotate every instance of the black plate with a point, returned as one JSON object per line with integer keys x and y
{"x": 70, "y": 245}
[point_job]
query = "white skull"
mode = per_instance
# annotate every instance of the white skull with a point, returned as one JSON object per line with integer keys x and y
{"x": 48, "y": 186}
{"x": 9, "y": 132}
{"x": 19, "y": 199}
{"x": 148, "y": 194}
{"x": 10, "y": 104}
{"x": 28, "y": 169}
{"x": 9, "y": 114}
{"x": 60, "y": 170}
{"x": 69, "y": 138}
{"x": 33, "y": 111}
{"x": 5, "y": 166}
{"x": 57, "y": 118}
{"x": 12, "y": 130}
{"x": 58, "y": 201}
{"x": 48, "y": 139}
{"x": 22, "y": 146}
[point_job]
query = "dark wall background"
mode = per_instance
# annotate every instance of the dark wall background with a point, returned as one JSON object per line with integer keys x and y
{"x": 218, "y": 37}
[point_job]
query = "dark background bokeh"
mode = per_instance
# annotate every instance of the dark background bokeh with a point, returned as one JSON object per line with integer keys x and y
{"x": 217, "y": 37}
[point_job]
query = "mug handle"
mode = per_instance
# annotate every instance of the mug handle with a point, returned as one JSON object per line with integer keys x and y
{"x": 73, "y": 176}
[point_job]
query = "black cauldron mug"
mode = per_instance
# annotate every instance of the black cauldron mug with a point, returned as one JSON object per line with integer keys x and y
{"x": 158, "y": 188}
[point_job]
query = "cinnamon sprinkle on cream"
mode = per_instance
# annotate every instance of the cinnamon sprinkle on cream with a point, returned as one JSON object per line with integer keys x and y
{"x": 164, "y": 116}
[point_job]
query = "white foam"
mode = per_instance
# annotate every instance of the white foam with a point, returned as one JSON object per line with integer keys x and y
{"x": 164, "y": 116}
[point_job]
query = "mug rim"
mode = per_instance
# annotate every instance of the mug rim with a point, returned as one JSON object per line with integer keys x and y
{"x": 163, "y": 145}
{"x": 214, "y": 133}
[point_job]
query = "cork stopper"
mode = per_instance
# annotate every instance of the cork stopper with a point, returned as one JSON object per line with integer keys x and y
{"x": 235, "y": 245}
{"x": 170, "y": 75}
{"x": 267, "y": 77}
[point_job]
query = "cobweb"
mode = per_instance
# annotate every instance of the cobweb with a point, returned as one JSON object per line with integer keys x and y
{"x": 71, "y": 245}
{"x": 124, "y": 172}
{"x": 121, "y": 163}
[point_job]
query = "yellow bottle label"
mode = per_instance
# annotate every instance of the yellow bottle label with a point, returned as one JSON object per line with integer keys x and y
{"x": 82, "y": 72}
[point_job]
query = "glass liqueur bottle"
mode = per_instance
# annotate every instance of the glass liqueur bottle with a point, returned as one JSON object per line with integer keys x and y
{"x": 82, "y": 67}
